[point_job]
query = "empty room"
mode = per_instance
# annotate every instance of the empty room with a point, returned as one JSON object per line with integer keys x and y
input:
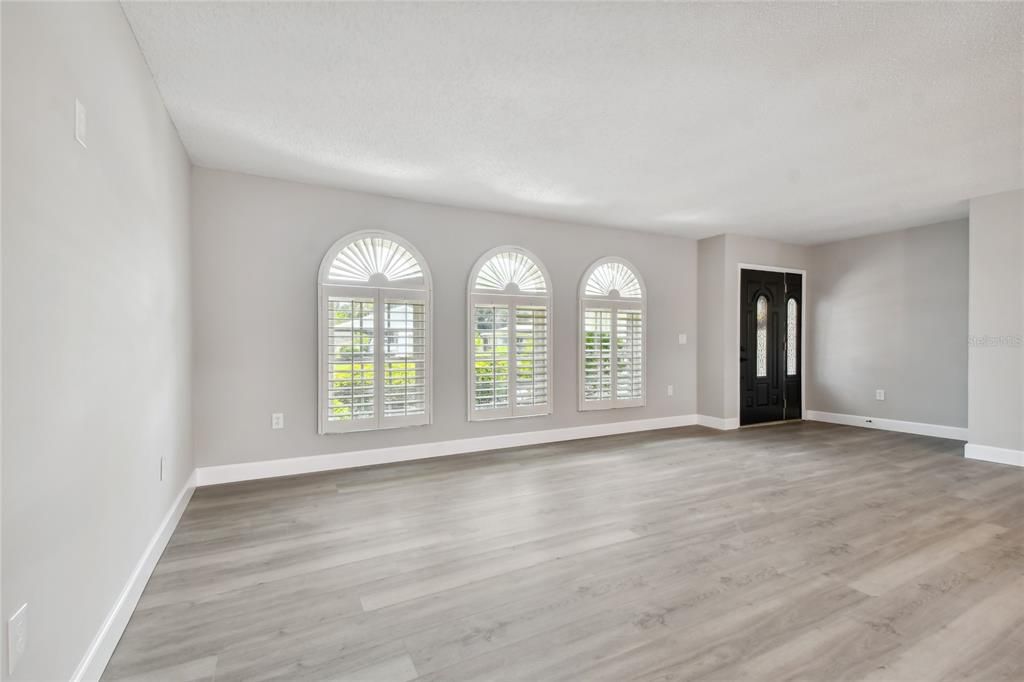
{"x": 512, "y": 341}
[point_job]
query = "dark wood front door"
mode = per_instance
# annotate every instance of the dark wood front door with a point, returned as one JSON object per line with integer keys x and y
{"x": 771, "y": 315}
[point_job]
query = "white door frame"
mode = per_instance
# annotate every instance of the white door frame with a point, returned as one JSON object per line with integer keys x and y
{"x": 740, "y": 267}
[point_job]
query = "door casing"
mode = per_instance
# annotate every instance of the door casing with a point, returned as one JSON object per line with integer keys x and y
{"x": 740, "y": 267}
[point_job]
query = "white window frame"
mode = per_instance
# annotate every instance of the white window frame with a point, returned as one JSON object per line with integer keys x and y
{"x": 614, "y": 303}
{"x": 512, "y": 298}
{"x": 379, "y": 289}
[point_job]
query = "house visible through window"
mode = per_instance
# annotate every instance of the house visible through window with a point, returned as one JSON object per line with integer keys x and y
{"x": 374, "y": 293}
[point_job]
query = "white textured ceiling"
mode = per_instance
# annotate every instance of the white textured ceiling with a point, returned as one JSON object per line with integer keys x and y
{"x": 801, "y": 122}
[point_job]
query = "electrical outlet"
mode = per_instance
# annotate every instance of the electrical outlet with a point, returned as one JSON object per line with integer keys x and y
{"x": 17, "y": 637}
{"x": 682, "y": 339}
{"x": 880, "y": 394}
{"x": 671, "y": 389}
{"x": 277, "y": 420}
{"x": 80, "y": 123}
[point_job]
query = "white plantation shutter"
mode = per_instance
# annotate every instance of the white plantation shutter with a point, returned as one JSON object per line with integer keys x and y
{"x": 375, "y": 359}
{"x": 613, "y": 277}
{"x": 405, "y": 359}
{"x": 612, "y": 336}
{"x": 350, "y": 359}
{"x": 597, "y": 354}
{"x": 364, "y": 258}
{"x": 629, "y": 355}
{"x": 509, "y": 320}
{"x": 531, "y": 355}
{"x": 491, "y": 358}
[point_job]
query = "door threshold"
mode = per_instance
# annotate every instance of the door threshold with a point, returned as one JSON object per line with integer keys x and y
{"x": 774, "y": 423}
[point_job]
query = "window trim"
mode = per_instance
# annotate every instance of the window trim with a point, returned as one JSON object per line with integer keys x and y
{"x": 475, "y": 297}
{"x": 379, "y": 292}
{"x": 615, "y": 304}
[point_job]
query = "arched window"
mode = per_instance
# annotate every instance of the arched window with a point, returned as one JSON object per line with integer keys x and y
{"x": 374, "y": 303}
{"x": 613, "y": 334}
{"x": 509, "y": 336}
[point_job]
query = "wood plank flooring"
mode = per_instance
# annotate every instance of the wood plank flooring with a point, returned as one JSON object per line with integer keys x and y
{"x": 801, "y": 551}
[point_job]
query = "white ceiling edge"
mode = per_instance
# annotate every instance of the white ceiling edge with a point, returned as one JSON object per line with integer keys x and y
{"x": 944, "y": 214}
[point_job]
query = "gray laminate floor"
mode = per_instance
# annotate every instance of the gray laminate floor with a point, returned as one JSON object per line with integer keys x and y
{"x": 804, "y": 550}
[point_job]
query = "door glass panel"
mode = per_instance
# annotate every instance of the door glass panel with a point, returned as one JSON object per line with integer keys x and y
{"x": 791, "y": 314}
{"x": 762, "y": 336}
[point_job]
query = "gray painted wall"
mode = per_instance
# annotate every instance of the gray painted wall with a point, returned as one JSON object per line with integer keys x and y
{"x": 256, "y": 247}
{"x": 889, "y": 311}
{"x": 996, "y": 353}
{"x": 720, "y": 258}
{"x": 750, "y": 251}
{"x": 96, "y": 328}
{"x": 711, "y": 326}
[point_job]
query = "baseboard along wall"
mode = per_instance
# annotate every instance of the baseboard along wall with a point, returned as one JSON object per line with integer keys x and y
{"x": 96, "y": 657}
{"x": 726, "y": 424}
{"x": 918, "y": 428}
{"x": 247, "y": 471}
{"x": 989, "y": 453}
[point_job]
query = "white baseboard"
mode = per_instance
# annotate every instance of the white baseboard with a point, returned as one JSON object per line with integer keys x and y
{"x": 937, "y": 430}
{"x": 248, "y": 471}
{"x": 989, "y": 453}
{"x": 718, "y": 422}
{"x": 102, "y": 647}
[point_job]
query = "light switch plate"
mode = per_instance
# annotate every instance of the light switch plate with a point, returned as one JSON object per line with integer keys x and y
{"x": 880, "y": 394}
{"x": 277, "y": 420}
{"x": 80, "y": 123}
{"x": 682, "y": 339}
